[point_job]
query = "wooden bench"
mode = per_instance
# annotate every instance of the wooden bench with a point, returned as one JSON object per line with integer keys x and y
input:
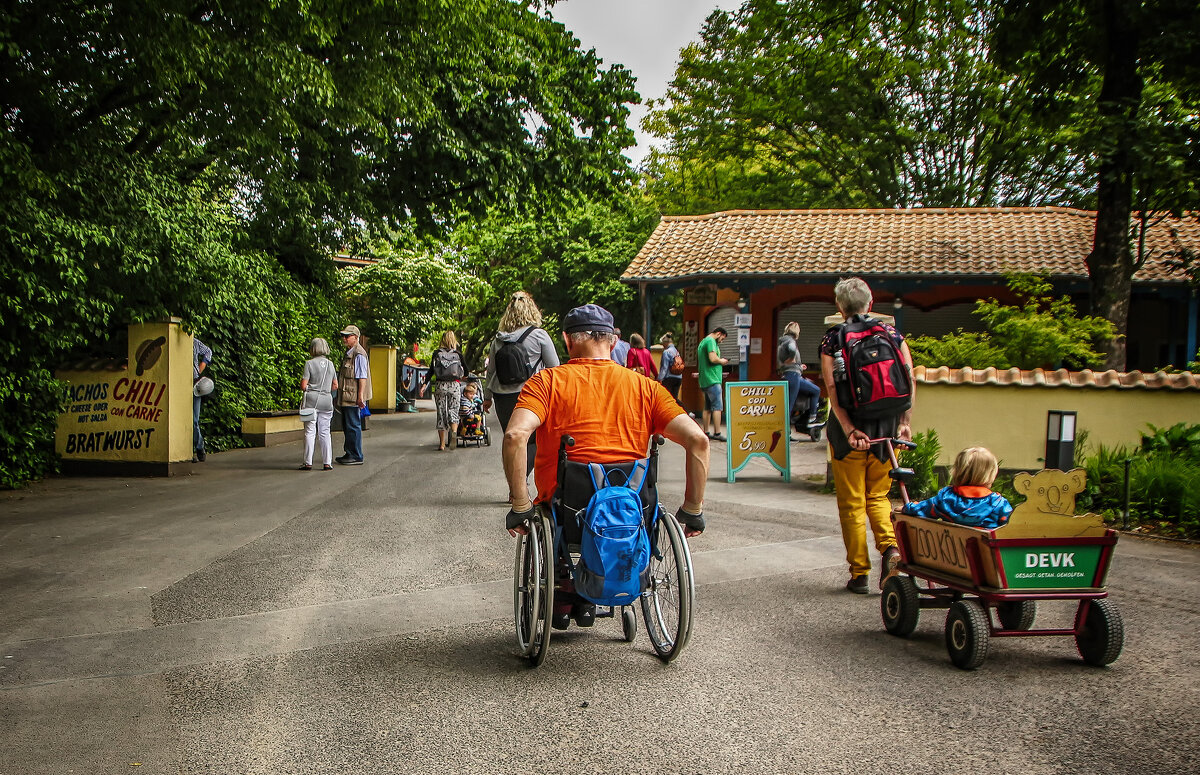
{"x": 266, "y": 429}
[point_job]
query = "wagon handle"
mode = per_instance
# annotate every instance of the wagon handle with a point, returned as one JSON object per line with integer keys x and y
{"x": 900, "y": 475}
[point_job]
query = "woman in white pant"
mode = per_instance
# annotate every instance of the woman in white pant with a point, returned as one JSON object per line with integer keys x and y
{"x": 318, "y": 384}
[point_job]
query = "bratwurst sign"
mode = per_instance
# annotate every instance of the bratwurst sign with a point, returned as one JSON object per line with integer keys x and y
{"x": 758, "y": 425}
{"x": 136, "y": 414}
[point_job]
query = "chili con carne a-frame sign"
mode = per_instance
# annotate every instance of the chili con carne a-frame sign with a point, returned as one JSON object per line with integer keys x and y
{"x": 758, "y": 426}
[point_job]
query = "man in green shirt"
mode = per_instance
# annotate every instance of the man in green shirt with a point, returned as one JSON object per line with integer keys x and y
{"x": 709, "y": 363}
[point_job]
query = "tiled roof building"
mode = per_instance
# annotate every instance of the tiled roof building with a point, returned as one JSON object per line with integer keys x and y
{"x": 927, "y": 267}
{"x": 943, "y": 241}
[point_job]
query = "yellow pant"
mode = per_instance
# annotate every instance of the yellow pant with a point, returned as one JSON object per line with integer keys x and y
{"x": 862, "y": 484}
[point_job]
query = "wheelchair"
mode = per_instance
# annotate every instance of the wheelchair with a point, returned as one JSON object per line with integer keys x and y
{"x": 540, "y": 570}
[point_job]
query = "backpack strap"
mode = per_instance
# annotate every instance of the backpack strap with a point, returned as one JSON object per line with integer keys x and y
{"x": 635, "y": 481}
{"x": 528, "y": 331}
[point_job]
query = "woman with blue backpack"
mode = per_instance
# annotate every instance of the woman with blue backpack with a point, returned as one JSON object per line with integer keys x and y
{"x": 519, "y": 350}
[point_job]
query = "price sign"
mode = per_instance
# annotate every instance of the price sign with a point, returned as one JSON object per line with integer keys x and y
{"x": 758, "y": 426}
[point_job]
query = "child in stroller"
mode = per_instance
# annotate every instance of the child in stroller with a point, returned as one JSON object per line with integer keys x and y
{"x": 472, "y": 427}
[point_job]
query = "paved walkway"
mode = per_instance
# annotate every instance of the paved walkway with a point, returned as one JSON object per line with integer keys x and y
{"x": 255, "y": 619}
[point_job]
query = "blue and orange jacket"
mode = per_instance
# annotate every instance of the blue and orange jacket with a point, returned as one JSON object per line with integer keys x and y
{"x": 971, "y": 505}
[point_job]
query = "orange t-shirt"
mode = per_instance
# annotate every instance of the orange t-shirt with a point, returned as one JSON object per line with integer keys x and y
{"x": 609, "y": 410}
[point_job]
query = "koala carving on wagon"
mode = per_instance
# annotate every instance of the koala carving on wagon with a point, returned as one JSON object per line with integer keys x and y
{"x": 991, "y": 577}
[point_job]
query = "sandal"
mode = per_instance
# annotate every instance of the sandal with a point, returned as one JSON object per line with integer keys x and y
{"x": 305, "y": 467}
{"x": 326, "y": 467}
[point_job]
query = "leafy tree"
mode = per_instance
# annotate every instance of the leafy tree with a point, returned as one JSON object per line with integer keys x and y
{"x": 563, "y": 261}
{"x": 1041, "y": 331}
{"x": 1123, "y": 78}
{"x": 407, "y": 295}
{"x": 883, "y": 104}
{"x": 167, "y": 157}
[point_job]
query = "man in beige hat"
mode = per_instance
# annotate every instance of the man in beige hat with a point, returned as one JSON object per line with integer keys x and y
{"x": 354, "y": 380}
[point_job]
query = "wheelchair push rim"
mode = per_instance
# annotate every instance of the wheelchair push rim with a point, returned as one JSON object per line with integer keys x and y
{"x": 667, "y": 601}
{"x": 533, "y": 590}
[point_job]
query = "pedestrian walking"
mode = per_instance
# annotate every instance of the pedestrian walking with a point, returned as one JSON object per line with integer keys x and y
{"x": 354, "y": 381}
{"x": 860, "y": 473}
{"x": 667, "y": 374}
{"x": 519, "y": 350}
{"x": 448, "y": 372}
{"x": 710, "y": 372}
{"x": 201, "y": 386}
{"x": 639, "y": 358}
{"x": 318, "y": 383}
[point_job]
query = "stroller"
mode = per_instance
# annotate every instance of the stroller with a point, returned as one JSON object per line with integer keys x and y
{"x": 474, "y": 429}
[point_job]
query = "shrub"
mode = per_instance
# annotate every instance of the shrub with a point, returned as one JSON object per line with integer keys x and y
{"x": 1164, "y": 481}
{"x": 1040, "y": 331}
{"x": 923, "y": 462}
{"x": 963, "y": 349}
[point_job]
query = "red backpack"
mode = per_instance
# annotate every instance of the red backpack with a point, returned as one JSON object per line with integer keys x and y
{"x": 871, "y": 377}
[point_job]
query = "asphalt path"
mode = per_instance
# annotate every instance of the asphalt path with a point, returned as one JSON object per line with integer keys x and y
{"x": 255, "y": 619}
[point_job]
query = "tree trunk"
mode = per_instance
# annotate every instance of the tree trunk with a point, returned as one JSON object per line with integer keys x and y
{"x": 1110, "y": 264}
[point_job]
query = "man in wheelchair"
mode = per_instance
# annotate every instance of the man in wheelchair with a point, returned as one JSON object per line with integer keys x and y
{"x": 611, "y": 412}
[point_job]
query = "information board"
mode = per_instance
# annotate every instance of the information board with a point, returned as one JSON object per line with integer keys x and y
{"x": 757, "y": 421}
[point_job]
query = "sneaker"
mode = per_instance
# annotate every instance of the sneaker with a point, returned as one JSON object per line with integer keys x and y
{"x": 201, "y": 455}
{"x": 584, "y": 614}
{"x": 560, "y": 618}
{"x": 891, "y": 558}
{"x": 352, "y": 462}
{"x": 858, "y": 585}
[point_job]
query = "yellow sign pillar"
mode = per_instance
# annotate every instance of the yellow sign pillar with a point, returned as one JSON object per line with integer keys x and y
{"x": 131, "y": 419}
{"x": 382, "y": 360}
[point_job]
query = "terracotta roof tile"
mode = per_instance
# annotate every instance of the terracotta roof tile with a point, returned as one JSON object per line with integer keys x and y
{"x": 963, "y": 241}
{"x": 1159, "y": 380}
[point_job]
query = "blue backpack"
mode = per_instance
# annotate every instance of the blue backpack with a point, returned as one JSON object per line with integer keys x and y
{"x": 614, "y": 551}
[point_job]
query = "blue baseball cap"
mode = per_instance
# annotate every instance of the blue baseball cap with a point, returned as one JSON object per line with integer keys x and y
{"x": 589, "y": 317}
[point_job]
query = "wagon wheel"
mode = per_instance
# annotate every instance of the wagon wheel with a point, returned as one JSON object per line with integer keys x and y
{"x": 1099, "y": 632}
{"x": 900, "y": 606}
{"x": 1016, "y": 615}
{"x": 967, "y": 633}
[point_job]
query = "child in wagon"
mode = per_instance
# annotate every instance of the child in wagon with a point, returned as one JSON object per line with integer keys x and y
{"x": 969, "y": 499}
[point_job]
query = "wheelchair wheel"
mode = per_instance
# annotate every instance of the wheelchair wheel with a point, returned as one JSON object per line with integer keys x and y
{"x": 533, "y": 589}
{"x": 667, "y": 601}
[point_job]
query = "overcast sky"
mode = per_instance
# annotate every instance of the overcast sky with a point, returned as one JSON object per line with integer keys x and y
{"x": 643, "y": 35}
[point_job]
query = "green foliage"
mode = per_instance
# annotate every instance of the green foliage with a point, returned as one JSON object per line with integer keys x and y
{"x": 923, "y": 462}
{"x": 1043, "y": 331}
{"x": 1118, "y": 81}
{"x": 818, "y": 103}
{"x": 1039, "y": 331}
{"x": 204, "y": 161}
{"x": 963, "y": 349}
{"x": 407, "y": 295}
{"x": 563, "y": 260}
{"x": 1164, "y": 480}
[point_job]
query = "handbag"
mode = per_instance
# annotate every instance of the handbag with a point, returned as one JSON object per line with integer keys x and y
{"x": 308, "y": 415}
